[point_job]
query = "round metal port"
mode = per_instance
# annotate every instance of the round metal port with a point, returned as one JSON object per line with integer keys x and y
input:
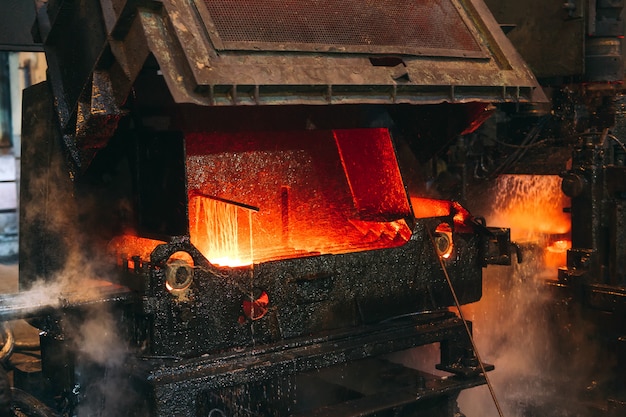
{"x": 179, "y": 272}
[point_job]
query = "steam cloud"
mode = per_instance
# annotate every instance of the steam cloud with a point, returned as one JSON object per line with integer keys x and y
{"x": 543, "y": 351}
{"x": 75, "y": 276}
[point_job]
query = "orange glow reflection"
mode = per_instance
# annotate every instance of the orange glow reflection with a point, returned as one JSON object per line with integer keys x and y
{"x": 428, "y": 207}
{"x": 221, "y": 231}
{"x": 532, "y": 206}
{"x": 443, "y": 240}
{"x": 556, "y": 253}
{"x": 260, "y": 196}
{"x": 125, "y": 247}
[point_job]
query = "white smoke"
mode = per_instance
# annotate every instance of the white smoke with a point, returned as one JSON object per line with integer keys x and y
{"x": 78, "y": 281}
{"x": 102, "y": 355}
{"x": 542, "y": 350}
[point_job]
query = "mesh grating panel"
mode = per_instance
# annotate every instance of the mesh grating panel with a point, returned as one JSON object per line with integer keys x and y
{"x": 396, "y": 25}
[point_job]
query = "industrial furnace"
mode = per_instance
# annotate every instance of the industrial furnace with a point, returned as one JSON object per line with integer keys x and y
{"x": 222, "y": 212}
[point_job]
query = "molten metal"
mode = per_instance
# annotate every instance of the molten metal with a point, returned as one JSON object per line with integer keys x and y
{"x": 316, "y": 192}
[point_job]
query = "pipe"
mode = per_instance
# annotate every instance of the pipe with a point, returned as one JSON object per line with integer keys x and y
{"x": 30, "y": 406}
{"x": 37, "y": 303}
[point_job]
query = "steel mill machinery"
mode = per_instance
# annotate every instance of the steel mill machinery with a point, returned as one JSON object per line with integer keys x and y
{"x": 223, "y": 211}
{"x": 575, "y": 48}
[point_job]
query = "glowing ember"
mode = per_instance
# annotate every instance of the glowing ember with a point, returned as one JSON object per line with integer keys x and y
{"x": 426, "y": 207}
{"x": 533, "y": 207}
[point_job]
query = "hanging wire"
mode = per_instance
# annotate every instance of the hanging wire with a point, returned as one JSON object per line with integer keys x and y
{"x": 619, "y": 142}
{"x": 528, "y": 142}
{"x": 467, "y": 329}
{"x": 532, "y": 145}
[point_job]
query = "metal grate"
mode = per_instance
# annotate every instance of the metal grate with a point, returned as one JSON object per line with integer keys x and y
{"x": 392, "y": 26}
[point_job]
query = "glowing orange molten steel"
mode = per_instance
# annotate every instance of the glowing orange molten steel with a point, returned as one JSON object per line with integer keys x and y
{"x": 427, "y": 207}
{"x": 221, "y": 231}
{"x": 533, "y": 207}
{"x": 556, "y": 253}
{"x": 260, "y": 196}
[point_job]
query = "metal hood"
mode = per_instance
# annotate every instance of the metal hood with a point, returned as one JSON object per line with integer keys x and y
{"x": 225, "y": 53}
{"x": 230, "y": 52}
{"x": 257, "y": 52}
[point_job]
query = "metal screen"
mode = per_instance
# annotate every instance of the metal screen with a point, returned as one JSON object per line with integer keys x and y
{"x": 421, "y": 27}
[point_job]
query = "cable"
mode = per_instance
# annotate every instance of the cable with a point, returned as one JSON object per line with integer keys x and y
{"x": 26, "y": 404}
{"x": 467, "y": 329}
{"x": 529, "y": 140}
{"x": 619, "y": 142}
{"x": 510, "y": 145}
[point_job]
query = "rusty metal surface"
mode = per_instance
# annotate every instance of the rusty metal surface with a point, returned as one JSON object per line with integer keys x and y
{"x": 71, "y": 59}
{"x": 476, "y": 64}
{"x": 199, "y": 73}
{"x": 432, "y": 28}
